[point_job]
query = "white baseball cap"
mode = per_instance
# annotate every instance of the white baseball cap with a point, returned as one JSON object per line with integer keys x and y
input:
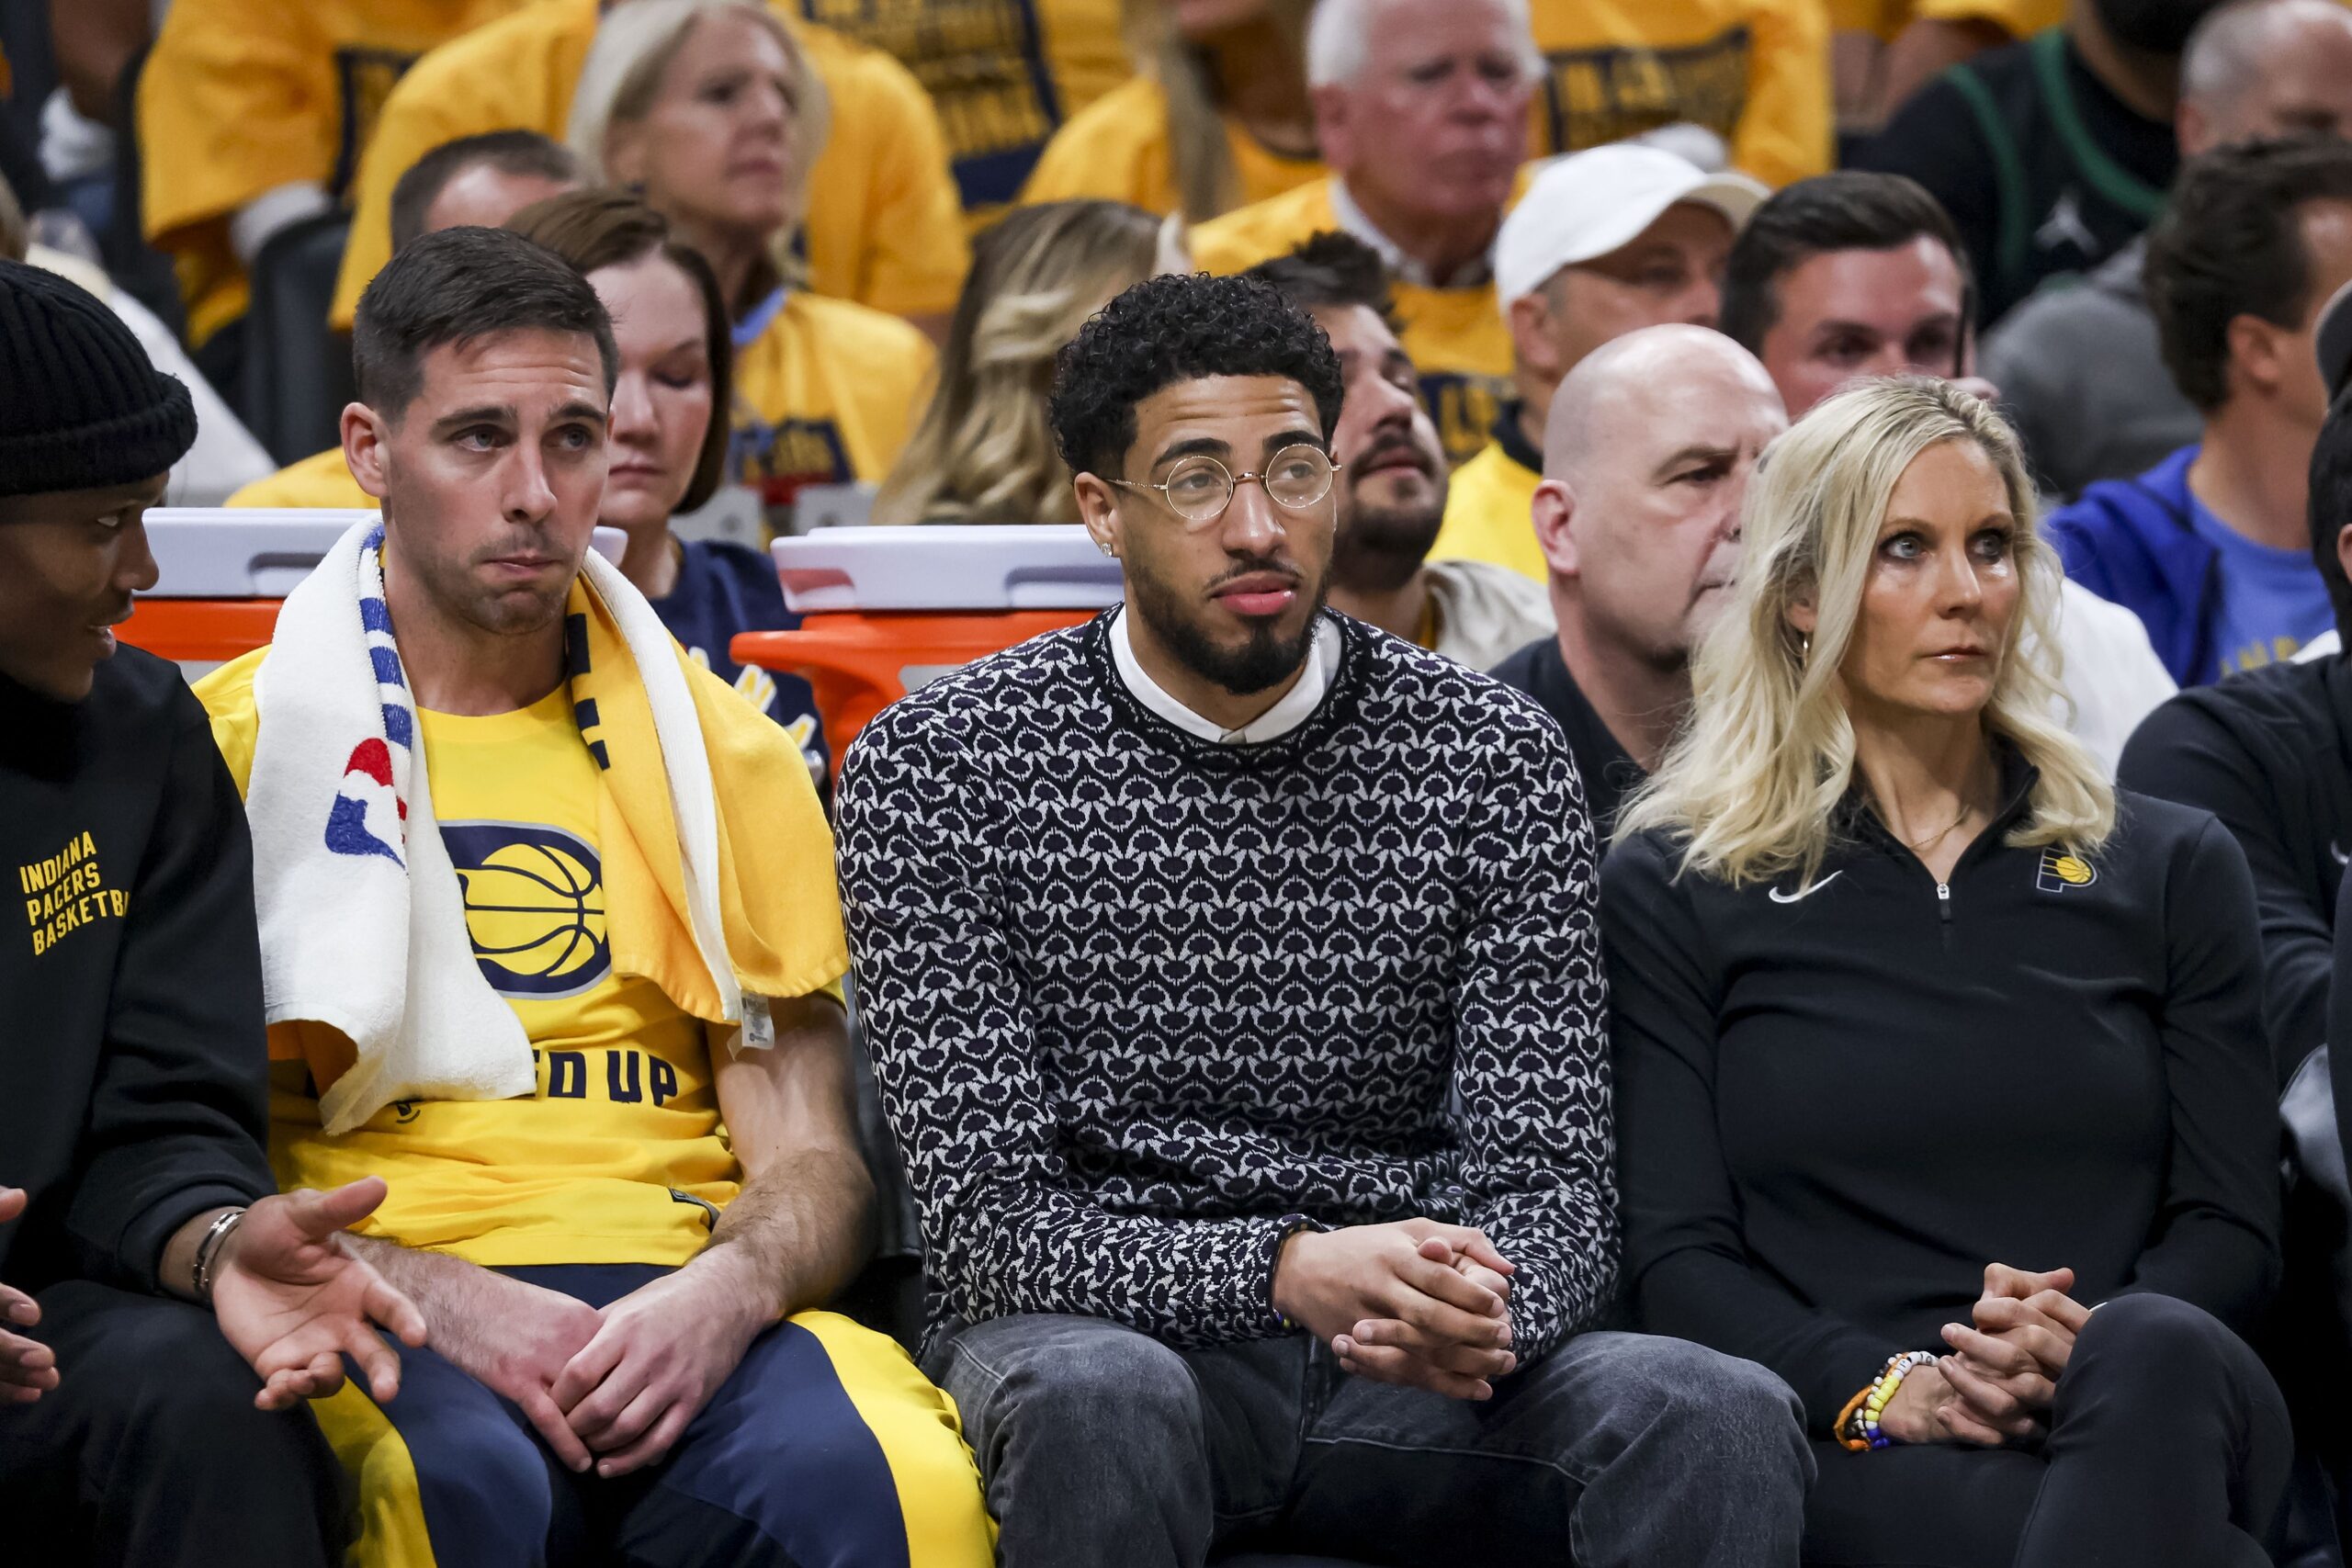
{"x": 1589, "y": 203}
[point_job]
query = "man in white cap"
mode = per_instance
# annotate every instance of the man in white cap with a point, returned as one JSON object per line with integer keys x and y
{"x": 1606, "y": 242}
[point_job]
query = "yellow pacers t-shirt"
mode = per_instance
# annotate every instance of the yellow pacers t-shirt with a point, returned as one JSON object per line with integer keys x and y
{"x": 618, "y": 1156}
{"x": 884, "y": 226}
{"x": 1754, "y": 72}
{"x": 1455, "y": 336}
{"x": 1005, "y": 73}
{"x": 1489, "y": 514}
{"x": 1118, "y": 150}
{"x": 825, "y": 394}
{"x": 242, "y": 96}
{"x": 320, "y": 480}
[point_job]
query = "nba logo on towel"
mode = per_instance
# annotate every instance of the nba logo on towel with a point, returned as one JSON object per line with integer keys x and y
{"x": 367, "y": 814}
{"x": 2062, "y": 871}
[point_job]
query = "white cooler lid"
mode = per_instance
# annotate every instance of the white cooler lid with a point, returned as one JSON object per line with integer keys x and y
{"x": 216, "y": 552}
{"x": 949, "y": 567}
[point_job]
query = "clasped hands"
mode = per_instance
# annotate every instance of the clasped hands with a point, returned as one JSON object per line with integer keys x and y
{"x": 616, "y": 1388}
{"x": 1996, "y": 1383}
{"x": 1415, "y": 1303}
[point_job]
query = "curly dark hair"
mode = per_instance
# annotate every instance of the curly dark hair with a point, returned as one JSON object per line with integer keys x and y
{"x": 1180, "y": 328}
{"x": 1331, "y": 271}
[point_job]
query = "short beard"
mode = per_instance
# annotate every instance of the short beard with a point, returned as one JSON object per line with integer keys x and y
{"x": 1379, "y": 549}
{"x": 1267, "y": 659}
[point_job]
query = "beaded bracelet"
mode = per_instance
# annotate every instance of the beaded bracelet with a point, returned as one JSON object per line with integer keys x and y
{"x": 1856, "y": 1426}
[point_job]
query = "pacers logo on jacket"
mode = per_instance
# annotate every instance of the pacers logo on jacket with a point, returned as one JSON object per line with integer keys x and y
{"x": 534, "y": 907}
{"x": 2061, "y": 870}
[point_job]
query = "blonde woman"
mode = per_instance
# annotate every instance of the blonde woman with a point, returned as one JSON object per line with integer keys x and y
{"x": 709, "y": 110}
{"x": 984, "y": 452}
{"x": 1927, "y": 1043}
{"x": 1220, "y": 118}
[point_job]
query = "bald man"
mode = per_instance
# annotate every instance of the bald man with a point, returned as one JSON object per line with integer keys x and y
{"x": 2080, "y": 375}
{"x": 1646, "y": 452}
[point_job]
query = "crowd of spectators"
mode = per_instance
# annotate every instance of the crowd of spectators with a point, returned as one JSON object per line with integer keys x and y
{"x": 1685, "y": 915}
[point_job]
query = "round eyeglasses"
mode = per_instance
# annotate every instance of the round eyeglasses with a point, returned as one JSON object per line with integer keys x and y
{"x": 1199, "y": 488}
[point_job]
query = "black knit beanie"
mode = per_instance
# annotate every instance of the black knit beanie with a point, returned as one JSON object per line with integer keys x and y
{"x": 81, "y": 405}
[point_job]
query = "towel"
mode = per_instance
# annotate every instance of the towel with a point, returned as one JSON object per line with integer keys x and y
{"x": 361, "y": 914}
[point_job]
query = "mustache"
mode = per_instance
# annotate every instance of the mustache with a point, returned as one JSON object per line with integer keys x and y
{"x": 1254, "y": 565}
{"x": 1396, "y": 445}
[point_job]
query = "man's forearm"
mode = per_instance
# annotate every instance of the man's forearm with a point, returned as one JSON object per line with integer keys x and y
{"x": 798, "y": 1231}
{"x": 452, "y": 1293}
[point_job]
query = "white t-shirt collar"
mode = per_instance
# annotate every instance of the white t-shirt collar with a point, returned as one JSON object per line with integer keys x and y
{"x": 1305, "y": 695}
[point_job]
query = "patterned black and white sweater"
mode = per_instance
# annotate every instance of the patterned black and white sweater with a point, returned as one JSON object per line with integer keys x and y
{"x": 1133, "y": 996}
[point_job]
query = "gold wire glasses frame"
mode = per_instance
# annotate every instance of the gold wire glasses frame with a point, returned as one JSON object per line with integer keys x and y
{"x": 1199, "y": 488}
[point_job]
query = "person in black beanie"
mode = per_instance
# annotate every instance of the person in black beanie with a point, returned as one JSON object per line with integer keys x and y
{"x": 163, "y": 1313}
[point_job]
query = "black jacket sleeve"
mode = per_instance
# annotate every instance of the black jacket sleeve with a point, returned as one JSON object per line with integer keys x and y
{"x": 178, "y": 1116}
{"x": 1685, "y": 1262}
{"x": 2216, "y": 1242}
{"x": 2180, "y": 752}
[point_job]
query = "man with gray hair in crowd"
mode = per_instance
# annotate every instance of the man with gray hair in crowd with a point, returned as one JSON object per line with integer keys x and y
{"x": 1421, "y": 112}
{"x": 2080, "y": 373}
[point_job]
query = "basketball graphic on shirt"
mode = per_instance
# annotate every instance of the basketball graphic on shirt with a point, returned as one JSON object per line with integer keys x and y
{"x": 2061, "y": 871}
{"x": 534, "y": 907}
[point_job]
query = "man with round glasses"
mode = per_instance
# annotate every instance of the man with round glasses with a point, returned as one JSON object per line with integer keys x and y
{"x": 1233, "y": 980}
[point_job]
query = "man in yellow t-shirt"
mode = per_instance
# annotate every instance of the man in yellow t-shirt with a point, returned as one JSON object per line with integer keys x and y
{"x": 825, "y": 392}
{"x": 254, "y": 114}
{"x": 883, "y": 225}
{"x": 627, "y": 1256}
{"x": 1004, "y": 73}
{"x": 1422, "y": 113}
{"x": 1754, "y": 72}
{"x": 1605, "y": 243}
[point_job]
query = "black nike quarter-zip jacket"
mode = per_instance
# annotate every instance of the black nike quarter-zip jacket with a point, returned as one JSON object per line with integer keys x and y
{"x": 1838, "y": 1101}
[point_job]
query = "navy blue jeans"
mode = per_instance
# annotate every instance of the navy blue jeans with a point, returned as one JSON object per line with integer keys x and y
{"x": 1100, "y": 1444}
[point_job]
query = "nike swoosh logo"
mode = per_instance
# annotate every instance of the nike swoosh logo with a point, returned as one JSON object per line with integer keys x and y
{"x": 1780, "y": 897}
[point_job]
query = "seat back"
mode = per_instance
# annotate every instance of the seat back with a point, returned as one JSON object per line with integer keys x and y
{"x": 296, "y": 369}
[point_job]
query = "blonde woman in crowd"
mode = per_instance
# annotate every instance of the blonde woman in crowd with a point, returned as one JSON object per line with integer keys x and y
{"x": 1929, "y": 1043}
{"x": 984, "y": 452}
{"x": 1220, "y": 118}
{"x": 708, "y": 109}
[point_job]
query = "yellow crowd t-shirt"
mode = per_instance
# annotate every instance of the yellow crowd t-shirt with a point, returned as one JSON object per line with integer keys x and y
{"x": 825, "y": 394}
{"x": 883, "y": 227}
{"x": 618, "y": 1155}
{"x": 1455, "y": 336}
{"x": 1004, "y": 73}
{"x": 1118, "y": 150}
{"x": 323, "y": 479}
{"x": 1489, "y": 514}
{"x": 1754, "y": 72}
{"x": 1886, "y": 19}
{"x": 242, "y": 96}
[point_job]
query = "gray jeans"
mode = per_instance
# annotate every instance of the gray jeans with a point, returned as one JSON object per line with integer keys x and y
{"x": 1101, "y": 1445}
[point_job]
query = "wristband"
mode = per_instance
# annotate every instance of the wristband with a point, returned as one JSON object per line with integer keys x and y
{"x": 208, "y": 1249}
{"x": 1856, "y": 1426}
{"x": 1291, "y": 1225}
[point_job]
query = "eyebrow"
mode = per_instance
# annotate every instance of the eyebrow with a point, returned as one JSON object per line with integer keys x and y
{"x": 1197, "y": 447}
{"x": 1697, "y": 452}
{"x": 485, "y": 414}
{"x": 577, "y": 409}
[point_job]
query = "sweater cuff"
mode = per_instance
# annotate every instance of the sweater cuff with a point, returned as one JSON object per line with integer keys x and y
{"x": 140, "y": 1254}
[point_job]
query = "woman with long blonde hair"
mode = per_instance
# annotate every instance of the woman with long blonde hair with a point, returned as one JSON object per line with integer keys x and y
{"x": 1218, "y": 117}
{"x": 984, "y": 451}
{"x": 1927, "y": 1042}
{"x": 710, "y": 111}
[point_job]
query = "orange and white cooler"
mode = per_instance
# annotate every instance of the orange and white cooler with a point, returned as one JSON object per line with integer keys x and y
{"x": 223, "y": 574}
{"x": 885, "y": 609}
